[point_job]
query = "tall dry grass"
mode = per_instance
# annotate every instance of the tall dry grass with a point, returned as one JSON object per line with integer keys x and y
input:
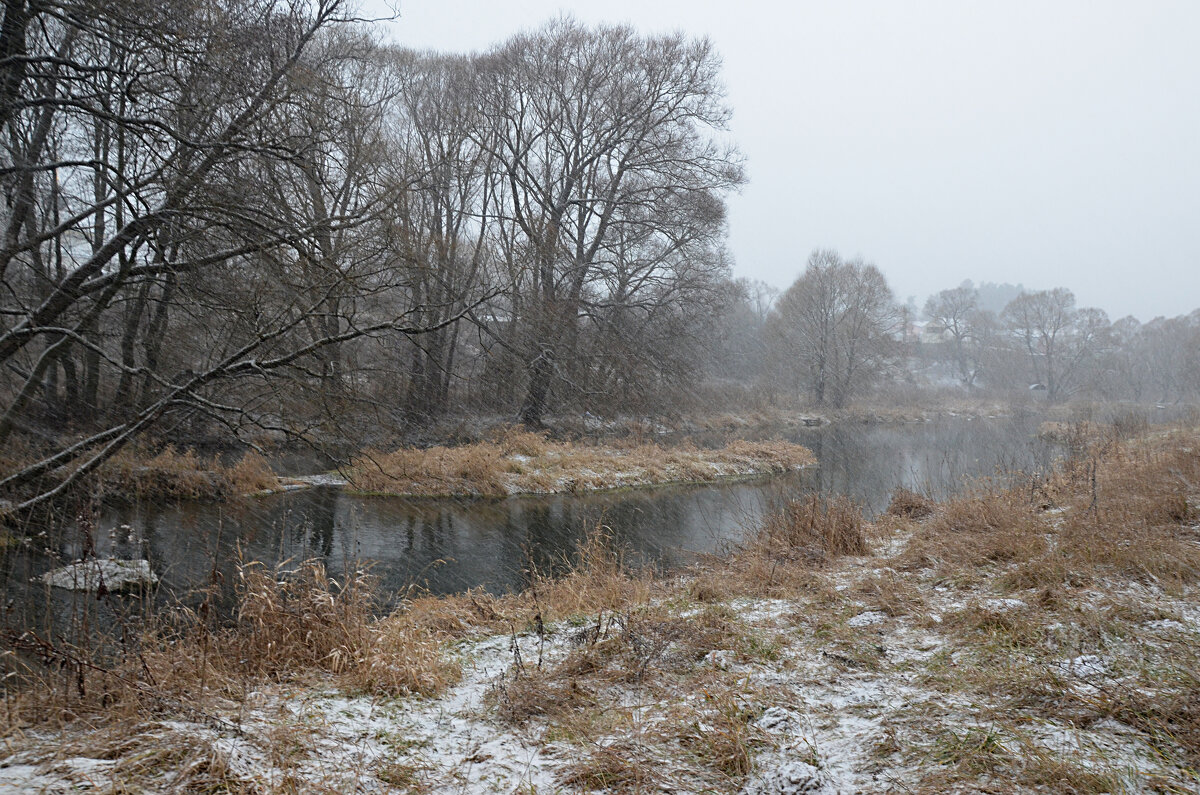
{"x": 250, "y": 474}
{"x": 171, "y": 474}
{"x": 1116, "y": 508}
{"x": 815, "y": 527}
{"x": 288, "y": 625}
{"x": 517, "y": 461}
{"x": 1133, "y": 510}
{"x": 795, "y": 540}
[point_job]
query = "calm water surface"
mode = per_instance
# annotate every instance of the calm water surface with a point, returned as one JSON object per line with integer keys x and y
{"x": 449, "y": 545}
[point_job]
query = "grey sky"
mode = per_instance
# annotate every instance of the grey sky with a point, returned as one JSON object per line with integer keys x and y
{"x": 1048, "y": 143}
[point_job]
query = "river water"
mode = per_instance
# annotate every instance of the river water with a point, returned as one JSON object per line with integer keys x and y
{"x": 449, "y": 545}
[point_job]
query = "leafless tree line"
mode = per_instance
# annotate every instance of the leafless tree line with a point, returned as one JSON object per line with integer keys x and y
{"x": 250, "y": 219}
{"x": 249, "y": 216}
{"x": 1042, "y": 341}
{"x": 838, "y": 334}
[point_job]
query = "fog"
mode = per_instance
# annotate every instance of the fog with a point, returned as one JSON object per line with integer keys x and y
{"x": 796, "y": 338}
{"x": 1042, "y": 144}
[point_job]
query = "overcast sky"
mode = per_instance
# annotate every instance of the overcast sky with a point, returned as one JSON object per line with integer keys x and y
{"x": 1047, "y": 143}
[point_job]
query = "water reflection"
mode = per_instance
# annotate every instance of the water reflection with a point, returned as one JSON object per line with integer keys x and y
{"x": 449, "y": 545}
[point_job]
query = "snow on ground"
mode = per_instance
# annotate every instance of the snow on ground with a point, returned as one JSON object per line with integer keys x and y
{"x": 854, "y": 701}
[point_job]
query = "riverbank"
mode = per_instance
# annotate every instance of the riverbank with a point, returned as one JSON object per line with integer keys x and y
{"x": 511, "y": 461}
{"x": 1040, "y": 638}
{"x": 154, "y": 471}
{"x": 520, "y": 462}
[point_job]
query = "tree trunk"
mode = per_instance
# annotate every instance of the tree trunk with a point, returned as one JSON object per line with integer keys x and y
{"x": 533, "y": 410}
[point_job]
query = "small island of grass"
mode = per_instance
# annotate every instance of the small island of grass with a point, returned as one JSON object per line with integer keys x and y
{"x": 520, "y": 462}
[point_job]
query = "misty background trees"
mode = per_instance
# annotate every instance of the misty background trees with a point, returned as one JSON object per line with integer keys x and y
{"x": 835, "y": 329}
{"x": 250, "y": 220}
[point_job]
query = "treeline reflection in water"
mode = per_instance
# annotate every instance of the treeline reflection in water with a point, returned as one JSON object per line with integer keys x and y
{"x": 450, "y": 545}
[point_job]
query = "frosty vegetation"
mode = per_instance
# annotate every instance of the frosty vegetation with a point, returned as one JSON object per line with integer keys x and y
{"x": 252, "y": 221}
{"x": 246, "y": 225}
{"x": 1037, "y": 637}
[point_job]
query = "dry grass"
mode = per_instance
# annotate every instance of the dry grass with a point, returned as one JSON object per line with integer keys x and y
{"x": 168, "y": 473}
{"x": 1090, "y": 554}
{"x": 650, "y": 682}
{"x": 909, "y": 505}
{"x": 719, "y": 729}
{"x": 891, "y": 593}
{"x": 171, "y": 474}
{"x": 516, "y": 461}
{"x": 967, "y": 535}
{"x": 619, "y": 766}
{"x": 652, "y": 655}
{"x": 177, "y": 761}
{"x": 1132, "y": 514}
{"x": 1163, "y": 702}
{"x": 293, "y": 622}
{"x": 251, "y": 474}
{"x": 796, "y": 540}
{"x": 815, "y": 528}
{"x": 599, "y": 580}
{"x": 596, "y": 588}
{"x": 289, "y": 626}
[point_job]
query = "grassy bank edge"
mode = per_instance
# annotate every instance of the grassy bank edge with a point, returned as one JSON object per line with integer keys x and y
{"x": 1016, "y": 582}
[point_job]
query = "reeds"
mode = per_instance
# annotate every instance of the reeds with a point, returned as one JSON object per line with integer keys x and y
{"x": 519, "y": 462}
{"x": 289, "y": 624}
{"x": 303, "y": 620}
{"x": 815, "y": 527}
{"x": 171, "y": 474}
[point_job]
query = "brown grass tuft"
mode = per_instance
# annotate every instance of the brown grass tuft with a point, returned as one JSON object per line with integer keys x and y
{"x": 909, "y": 505}
{"x": 1163, "y": 702}
{"x": 708, "y": 588}
{"x": 598, "y": 580}
{"x": 168, "y": 473}
{"x": 892, "y": 593}
{"x": 816, "y": 528}
{"x": 517, "y": 440}
{"x": 617, "y": 766}
{"x": 721, "y": 732}
{"x": 1131, "y": 512}
{"x": 251, "y": 474}
{"x": 967, "y": 534}
{"x": 289, "y": 623}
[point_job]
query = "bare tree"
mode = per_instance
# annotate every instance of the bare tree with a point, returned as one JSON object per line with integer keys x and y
{"x": 444, "y": 223}
{"x": 191, "y": 177}
{"x": 834, "y": 329}
{"x": 1058, "y": 339}
{"x": 613, "y": 175}
{"x": 957, "y": 313}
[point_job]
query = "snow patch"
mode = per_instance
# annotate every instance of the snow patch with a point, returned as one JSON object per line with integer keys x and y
{"x": 1001, "y": 605}
{"x": 1085, "y": 666}
{"x": 89, "y": 575}
{"x": 790, "y": 778}
{"x": 778, "y": 719}
{"x": 1165, "y": 625}
{"x": 867, "y": 619}
{"x": 323, "y": 479}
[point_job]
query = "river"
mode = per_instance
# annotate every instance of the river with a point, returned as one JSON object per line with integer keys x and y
{"x": 449, "y": 545}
